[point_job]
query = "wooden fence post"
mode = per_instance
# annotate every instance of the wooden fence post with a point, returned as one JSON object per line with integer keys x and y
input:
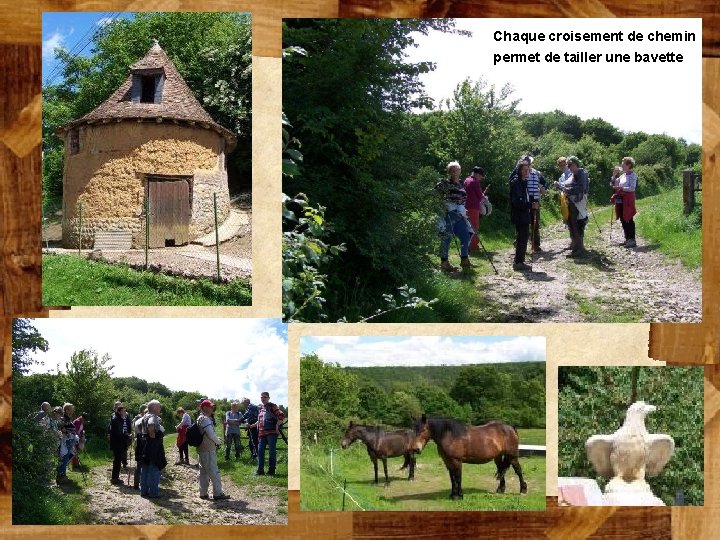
{"x": 688, "y": 191}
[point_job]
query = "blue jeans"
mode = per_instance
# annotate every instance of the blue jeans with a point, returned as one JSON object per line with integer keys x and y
{"x": 62, "y": 466}
{"x": 269, "y": 440}
{"x": 456, "y": 223}
{"x": 150, "y": 480}
{"x": 229, "y": 439}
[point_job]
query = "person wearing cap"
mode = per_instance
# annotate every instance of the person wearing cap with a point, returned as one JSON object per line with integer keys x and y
{"x": 153, "y": 460}
{"x": 249, "y": 417}
{"x": 269, "y": 420}
{"x": 67, "y": 429}
{"x": 624, "y": 198}
{"x": 575, "y": 189}
{"x": 520, "y": 207}
{"x": 207, "y": 453}
{"x": 474, "y": 202}
{"x": 453, "y": 220}
{"x": 120, "y": 434}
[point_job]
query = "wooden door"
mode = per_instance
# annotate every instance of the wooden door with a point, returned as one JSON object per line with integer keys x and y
{"x": 169, "y": 207}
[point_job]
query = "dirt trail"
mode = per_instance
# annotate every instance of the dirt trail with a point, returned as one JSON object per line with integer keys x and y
{"x": 180, "y": 501}
{"x": 611, "y": 284}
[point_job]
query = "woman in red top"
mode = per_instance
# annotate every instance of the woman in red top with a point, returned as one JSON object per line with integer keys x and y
{"x": 475, "y": 196}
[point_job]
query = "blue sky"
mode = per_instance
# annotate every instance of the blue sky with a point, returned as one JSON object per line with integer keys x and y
{"x": 362, "y": 351}
{"x": 218, "y": 357}
{"x": 68, "y": 30}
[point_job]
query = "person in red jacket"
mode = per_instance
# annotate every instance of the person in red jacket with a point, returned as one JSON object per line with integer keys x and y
{"x": 268, "y": 422}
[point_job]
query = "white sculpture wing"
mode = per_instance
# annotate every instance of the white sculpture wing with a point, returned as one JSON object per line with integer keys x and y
{"x": 598, "y": 448}
{"x": 661, "y": 448}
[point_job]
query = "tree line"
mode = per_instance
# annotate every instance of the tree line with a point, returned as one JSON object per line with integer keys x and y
{"x": 364, "y": 144}
{"x": 394, "y": 396}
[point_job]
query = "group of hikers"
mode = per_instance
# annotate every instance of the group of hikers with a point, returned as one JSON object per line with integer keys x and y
{"x": 465, "y": 202}
{"x": 144, "y": 434}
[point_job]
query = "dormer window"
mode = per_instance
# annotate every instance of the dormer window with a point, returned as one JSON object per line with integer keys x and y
{"x": 147, "y": 87}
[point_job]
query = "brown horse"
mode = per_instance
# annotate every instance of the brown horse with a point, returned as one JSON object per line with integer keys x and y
{"x": 383, "y": 444}
{"x": 458, "y": 443}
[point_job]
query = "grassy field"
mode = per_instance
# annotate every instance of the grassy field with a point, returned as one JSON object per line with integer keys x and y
{"x": 353, "y": 470}
{"x": 69, "y": 280}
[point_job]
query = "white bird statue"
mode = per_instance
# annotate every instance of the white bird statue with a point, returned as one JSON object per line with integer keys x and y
{"x": 631, "y": 453}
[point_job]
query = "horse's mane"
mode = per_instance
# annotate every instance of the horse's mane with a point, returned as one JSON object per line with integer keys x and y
{"x": 442, "y": 424}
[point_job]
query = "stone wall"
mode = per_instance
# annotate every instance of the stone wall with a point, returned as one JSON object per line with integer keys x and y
{"x": 107, "y": 176}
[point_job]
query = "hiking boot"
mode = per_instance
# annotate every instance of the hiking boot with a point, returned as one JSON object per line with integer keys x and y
{"x": 465, "y": 262}
{"x": 116, "y": 481}
{"x": 445, "y": 266}
{"x": 179, "y": 462}
{"x": 221, "y": 497}
{"x": 204, "y": 497}
{"x": 577, "y": 253}
{"x": 623, "y": 243}
{"x": 537, "y": 249}
{"x": 259, "y": 473}
{"x": 521, "y": 267}
{"x": 630, "y": 243}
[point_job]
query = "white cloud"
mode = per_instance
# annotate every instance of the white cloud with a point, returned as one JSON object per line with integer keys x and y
{"x": 431, "y": 350}
{"x": 56, "y": 40}
{"x": 222, "y": 358}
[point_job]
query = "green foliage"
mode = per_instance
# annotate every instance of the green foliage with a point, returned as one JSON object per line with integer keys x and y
{"x": 119, "y": 285}
{"x": 659, "y": 150}
{"x": 25, "y": 341}
{"x": 662, "y": 222}
{"x": 327, "y": 384}
{"x": 593, "y": 400}
{"x": 86, "y": 383}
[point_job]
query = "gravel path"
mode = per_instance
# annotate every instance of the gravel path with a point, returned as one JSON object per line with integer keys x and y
{"x": 180, "y": 502}
{"x": 611, "y": 284}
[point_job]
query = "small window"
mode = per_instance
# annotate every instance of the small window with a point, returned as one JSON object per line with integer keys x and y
{"x": 148, "y": 89}
{"x": 74, "y": 141}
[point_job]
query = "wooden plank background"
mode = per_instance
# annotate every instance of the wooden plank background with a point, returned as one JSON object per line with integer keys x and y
{"x": 20, "y": 280}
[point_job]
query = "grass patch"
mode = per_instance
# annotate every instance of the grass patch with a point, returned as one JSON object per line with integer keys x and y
{"x": 661, "y": 221}
{"x": 69, "y": 280}
{"x": 602, "y": 309}
{"x": 430, "y": 490}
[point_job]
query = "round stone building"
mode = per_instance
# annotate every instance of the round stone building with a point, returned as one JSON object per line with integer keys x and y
{"x": 150, "y": 140}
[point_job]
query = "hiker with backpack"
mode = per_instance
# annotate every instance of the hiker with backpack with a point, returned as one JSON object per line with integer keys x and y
{"x": 576, "y": 190}
{"x": 477, "y": 204}
{"x": 153, "y": 460}
{"x": 269, "y": 421}
{"x": 453, "y": 220}
{"x": 207, "y": 451}
{"x": 233, "y": 419}
{"x": 624, "y": 198}
{"x": 536, "y": 185}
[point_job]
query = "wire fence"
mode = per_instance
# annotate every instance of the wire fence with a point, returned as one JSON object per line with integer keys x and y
{"x": 331, "y": 462}
{"x": 190, "y": 235}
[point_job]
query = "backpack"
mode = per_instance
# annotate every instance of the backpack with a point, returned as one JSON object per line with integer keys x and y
{"x": 194, "y": 435}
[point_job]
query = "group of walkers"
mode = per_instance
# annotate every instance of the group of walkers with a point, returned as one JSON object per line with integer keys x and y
{"x": 67, "y": 434}
{"x": 466, "y": 202}
{"x": 146, "y": 430}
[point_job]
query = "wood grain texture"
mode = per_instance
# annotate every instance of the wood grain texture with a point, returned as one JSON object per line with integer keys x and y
{"x": 20, "y": 233}
{"x": 707, "y": 9}
{"x": 700, "y": 343}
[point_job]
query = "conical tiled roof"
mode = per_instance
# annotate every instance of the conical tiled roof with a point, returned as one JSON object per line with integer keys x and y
{"x": 177, "y": 103}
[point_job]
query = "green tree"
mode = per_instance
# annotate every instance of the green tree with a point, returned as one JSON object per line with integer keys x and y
{"x": 26, "y": 340}
{"x": 602, "y": 131}
{"x": 327, "y": 385}
{"x": 87, "y": 384}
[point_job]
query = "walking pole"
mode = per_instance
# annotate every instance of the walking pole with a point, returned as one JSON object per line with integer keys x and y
{"x": 612, "y": 209}
{"x": 476, "y": 233}
{"x": 130, "y": 452}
